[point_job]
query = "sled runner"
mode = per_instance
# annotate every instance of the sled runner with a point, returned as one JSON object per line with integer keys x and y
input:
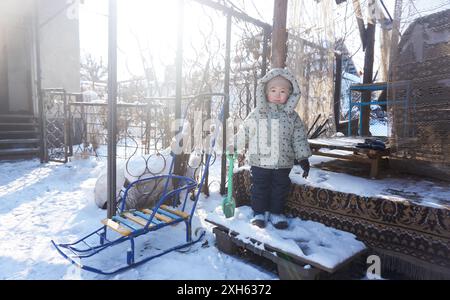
{"x": 129, "y": 224}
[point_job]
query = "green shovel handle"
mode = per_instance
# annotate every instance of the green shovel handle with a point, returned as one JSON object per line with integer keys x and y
{"x": 231, "y": 158}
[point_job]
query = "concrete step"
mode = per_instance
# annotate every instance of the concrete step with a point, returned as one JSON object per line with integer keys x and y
{"x": 18, "y": 151}
{"x": 32, "y": 123}
{"x": 16, "y": 116}
{"x": 30, "y": 131}
{"x": 18, "y": 134}
{"x": 18, "y": 141}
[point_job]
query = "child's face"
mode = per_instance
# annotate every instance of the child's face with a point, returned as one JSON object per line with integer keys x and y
{"x": 277, "y": 94}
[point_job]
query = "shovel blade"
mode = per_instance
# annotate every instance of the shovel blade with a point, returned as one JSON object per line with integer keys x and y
{"x": 228, "y": 206}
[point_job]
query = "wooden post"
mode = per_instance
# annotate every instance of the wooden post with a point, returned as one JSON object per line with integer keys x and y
{"x": 368, "y": 43}
{"x": 337, "y": 89}
{"x": 391, "y": 96}
{"x": 266, "y": 38}
{"x": 279, "y": 34}
{"x": 394, "y": 40}
{"x": 360, "y": 22}
{"x": 368, "y": 77}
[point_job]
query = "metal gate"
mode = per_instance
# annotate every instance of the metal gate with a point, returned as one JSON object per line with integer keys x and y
{"x": 55, "y": 125}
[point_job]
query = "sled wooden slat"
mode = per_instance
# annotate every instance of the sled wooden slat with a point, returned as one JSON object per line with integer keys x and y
{"x": 168, "y": 214}
{"x": 135, "y": 219}
{"x": 116, "y": 227}
{"x": 157, "y": 215}
{"x": 147, "y": 217}
{"x": 176, "y": 212}
{"x": 127, "y": 223}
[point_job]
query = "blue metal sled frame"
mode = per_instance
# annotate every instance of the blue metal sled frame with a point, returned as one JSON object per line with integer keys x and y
{"x": 81, "y": 249}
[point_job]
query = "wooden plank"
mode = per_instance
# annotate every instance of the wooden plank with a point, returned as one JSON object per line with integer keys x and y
{"x": 374, "y": 167}
{"x": 168, "y": 214}
{"x": 287, "y": 270}
{"x": 344, "y": 145}
{"x": 157, "y": 215}
{"x": 295, "y": 258}
{"x": 116, "y": 227}
{"x": 362, "y": 159}
{"x": 176, "y": 212}
{"x": 135, "y": 219}
{"x": 332, "y": 147}
{"x": 128, "y": 223}
{"x": 374, "y": 153}
{"x": 338, "y": 141}
{"x": 147, "y": 217}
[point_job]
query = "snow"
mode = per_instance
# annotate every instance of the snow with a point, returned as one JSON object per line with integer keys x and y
{"x": 101, "y": 188}
{"x": 336, "y": 151}
{"x": 379, "y": 127}
{"x": 310, "y": 240}
{"x": 425, "y": 192}
{"x": 44, "y": 202}
{"x": 338, "y": 141}
{"x": 41, "y": 202}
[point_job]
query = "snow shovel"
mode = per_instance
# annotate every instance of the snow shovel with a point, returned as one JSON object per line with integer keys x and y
{"x": 228, "y": 203}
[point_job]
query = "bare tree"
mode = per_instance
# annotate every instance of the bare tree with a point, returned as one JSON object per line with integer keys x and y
{"x": 93, "y": 70}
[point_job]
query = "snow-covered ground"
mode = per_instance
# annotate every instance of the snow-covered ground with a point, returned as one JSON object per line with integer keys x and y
{"x": 39, "y": 203}
{"x": 44, "y": 202}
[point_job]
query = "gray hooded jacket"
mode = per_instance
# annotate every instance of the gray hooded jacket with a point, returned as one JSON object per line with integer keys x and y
{"x": 276, "y": 133}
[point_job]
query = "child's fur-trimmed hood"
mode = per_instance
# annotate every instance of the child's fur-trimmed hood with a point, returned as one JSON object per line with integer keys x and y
{"x": 294, "y": 97}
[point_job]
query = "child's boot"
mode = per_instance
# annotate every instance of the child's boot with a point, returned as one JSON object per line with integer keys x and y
{"x": 259, "y": 220}
{"x": 278, "y": 221}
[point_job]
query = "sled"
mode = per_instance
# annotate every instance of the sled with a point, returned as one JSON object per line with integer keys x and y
{"x": 129, "y": 224}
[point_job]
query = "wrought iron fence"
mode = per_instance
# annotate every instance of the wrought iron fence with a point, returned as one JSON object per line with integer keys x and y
{"x": 56, "y": 138}
{"x": 378, "y": 117}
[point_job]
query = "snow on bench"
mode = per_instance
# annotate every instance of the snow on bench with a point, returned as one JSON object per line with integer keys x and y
{"x": 323, "y": 247}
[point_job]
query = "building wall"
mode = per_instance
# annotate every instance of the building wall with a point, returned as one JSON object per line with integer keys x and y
{"x": 59, "y": 47}
{"x": 19, "y": 66}
{"x": 4, "y": 102}
{"x": 16, "y": 55}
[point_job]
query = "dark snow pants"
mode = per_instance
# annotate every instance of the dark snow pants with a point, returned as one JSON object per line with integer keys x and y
{"x": 270, "y": 188}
